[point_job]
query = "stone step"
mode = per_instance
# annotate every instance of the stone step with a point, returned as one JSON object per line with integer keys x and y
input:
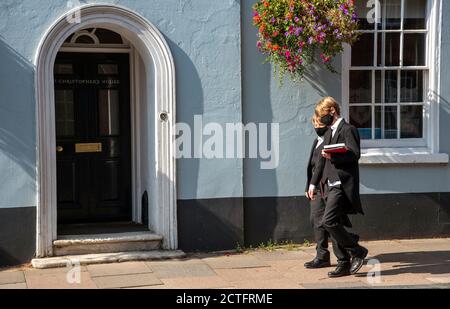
{"x": 106, "y": 243}
{"x": 104, "y": 258}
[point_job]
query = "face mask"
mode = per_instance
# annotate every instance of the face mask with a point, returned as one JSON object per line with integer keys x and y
{"x": 327, "y": 120}
{"x": 321, "y": 131}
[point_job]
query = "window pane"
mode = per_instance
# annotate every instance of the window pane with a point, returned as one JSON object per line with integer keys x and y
{"x": 108, "y": 37}
{"x": 379, "y": 49}
{"x": 385, "y": 122}
{"x": 360, "y": 86}
{"x": 411, "y": 121}
{"x": 85, "y": 39}
{"x": 64, "y": 111}
{"x": 378, "y": 83}
{"x": 392, "y": 49}
{"x": 108, "y": 69}
{"x": 411, "y": 86}
{"x": 363, "y": 13}
{"x": 390, "y": 87}
{"x": 390, "y": 14}
{"x": 361, "y": 118}
{"x": 109, "y": 112}
{"x": 414, "y": 49}
{"x": 362, "y": 51}
{"x": 389, "y": 78}
{"x": 415, "y": 13}
{"x": 63, "y": 69}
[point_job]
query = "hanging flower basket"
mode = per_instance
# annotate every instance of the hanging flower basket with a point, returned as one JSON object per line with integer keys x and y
{"x": 293, "y": 33}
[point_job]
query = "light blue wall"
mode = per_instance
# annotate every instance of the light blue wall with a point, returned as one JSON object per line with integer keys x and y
{"x": 205, "y": 39}
{"x": 291, "y": 106}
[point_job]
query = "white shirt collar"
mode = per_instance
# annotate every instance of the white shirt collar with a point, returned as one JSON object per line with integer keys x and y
{"x": 320, "y": 140}
{"x": 336, "y": 124}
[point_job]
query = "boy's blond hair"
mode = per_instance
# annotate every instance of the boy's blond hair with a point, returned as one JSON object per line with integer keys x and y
{"x": 325, "y": 105}
{"x": 315, "y": 120}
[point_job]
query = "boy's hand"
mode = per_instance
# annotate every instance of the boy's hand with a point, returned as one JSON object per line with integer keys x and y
{"x": 311, "y": 194}
{"x": 326, "y": 155}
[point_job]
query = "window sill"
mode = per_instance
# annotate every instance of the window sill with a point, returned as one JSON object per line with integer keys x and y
{"x": 385, "y": 156}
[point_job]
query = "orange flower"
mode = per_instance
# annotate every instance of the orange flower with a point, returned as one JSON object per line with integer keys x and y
{"x": 275, "y": 47}
{"x": 266, "y": 4}
{"x": 269, "y": 45}
{"x": 289, "y": 16}
{"x": 256, "y": 19}
{"x": 262, "y": 28}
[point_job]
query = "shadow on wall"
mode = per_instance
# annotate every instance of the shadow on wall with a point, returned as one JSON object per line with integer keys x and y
{"x": 444, "y": 145}
{"x": 17, "y": 113}
{"x": 257, "y": 108}
{"x": 320, "y": 80}
{"x": 189, "y": 103}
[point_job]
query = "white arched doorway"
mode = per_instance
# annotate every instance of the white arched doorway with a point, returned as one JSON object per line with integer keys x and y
{"x": 154, "y": 93}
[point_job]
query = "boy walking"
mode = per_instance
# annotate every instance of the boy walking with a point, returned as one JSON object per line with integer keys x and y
{"x": 340, "y": 183}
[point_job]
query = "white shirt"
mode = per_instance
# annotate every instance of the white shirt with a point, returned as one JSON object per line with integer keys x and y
{"x": 320, "y": 141}
{"x": 334, "y": 128}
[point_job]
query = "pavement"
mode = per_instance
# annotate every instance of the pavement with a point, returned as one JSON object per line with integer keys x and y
{"x": 419, "y": 263}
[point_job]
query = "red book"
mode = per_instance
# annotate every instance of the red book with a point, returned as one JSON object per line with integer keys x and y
{"x": 335, "y": 148}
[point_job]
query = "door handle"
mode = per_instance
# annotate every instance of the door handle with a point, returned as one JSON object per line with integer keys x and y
{"x": 59, "y": 149}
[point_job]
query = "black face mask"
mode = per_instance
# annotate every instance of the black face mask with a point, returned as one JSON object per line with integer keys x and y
{"x": 321, "y": 131}
{"x": 327, "y": 120}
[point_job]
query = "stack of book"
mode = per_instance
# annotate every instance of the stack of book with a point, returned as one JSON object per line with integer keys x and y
{"x": 335, "y": 148}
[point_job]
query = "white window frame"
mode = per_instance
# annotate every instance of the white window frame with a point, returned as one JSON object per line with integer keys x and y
{"x": 423, "y": 150}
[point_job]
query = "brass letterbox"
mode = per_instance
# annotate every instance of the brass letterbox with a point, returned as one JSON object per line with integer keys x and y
{"x": 88, "y": 147}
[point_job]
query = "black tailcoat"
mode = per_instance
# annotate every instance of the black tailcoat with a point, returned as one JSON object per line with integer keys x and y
{"x": 346, "y": 164}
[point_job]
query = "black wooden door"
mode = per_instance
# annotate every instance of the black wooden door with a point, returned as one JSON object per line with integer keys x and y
{"x": 93, "y": 138}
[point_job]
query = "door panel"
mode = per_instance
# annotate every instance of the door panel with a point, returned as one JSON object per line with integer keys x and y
{"x": 92, "y": 105}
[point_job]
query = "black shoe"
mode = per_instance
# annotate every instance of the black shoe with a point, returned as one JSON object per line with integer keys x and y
{"x": 316, "y": 263}
{"x": 358, "y": 259}
{"x": 342, "y": 269}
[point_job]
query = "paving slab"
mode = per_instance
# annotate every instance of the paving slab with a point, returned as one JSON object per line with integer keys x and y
{"x": 181, "y": 270}
{"x": 256, "y": 274}
{"x": 213, "y": 282}
{"x": 11, "y": 277}
{"x": 235, "y": 261}
{"x": 116, "y": 269}
{"x": 267, "y": 284}
{"x": 337, "y": 285}
{"x": 439, "y": 279}
{"x": 58, "y": 281}
{"x": 13, "y": 286}
{"x": 124, "y": 281}
{"x": 280, "y": 255}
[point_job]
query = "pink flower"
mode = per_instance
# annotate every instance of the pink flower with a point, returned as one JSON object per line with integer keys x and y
{"x": 325, "y": 59}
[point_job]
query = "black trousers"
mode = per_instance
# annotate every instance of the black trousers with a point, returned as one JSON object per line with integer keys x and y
{"x": 321, "y": 235}
{"x": 332, "y": 222}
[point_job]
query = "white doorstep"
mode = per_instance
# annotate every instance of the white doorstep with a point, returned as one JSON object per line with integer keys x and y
{"x": 103, "y": 258}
